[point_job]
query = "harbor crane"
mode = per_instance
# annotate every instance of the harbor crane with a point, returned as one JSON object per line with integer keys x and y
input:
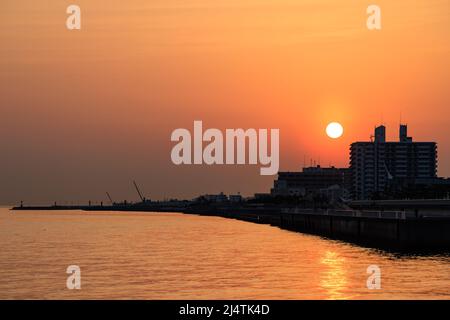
{"x": 110, "y": 199}
{"x": 138, "y": 191}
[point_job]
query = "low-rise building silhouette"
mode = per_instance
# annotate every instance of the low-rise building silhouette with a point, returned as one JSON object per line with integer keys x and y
{"x": 310, "y": 180}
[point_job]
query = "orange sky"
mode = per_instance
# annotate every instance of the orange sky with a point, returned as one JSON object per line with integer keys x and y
{"x": 83, "y": 112}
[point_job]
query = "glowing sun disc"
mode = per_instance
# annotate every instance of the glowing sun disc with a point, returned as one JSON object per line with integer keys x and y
{"x": 335, "y": 130}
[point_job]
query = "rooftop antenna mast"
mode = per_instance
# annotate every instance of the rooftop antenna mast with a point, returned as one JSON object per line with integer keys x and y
{"x": 138, "y": 191}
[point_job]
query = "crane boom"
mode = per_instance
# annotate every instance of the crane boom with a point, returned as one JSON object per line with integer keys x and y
{"x": 109, "y": 197}
{"x": 138, "y": 191}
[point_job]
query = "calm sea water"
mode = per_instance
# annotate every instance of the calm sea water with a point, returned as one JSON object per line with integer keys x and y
{"x": 176, "y": 256}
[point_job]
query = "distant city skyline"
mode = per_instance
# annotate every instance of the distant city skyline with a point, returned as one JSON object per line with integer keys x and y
{"x": 83, "y": 112}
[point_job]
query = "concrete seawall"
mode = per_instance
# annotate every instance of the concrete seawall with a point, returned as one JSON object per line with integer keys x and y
{"x": 378, "y": 232}
{"x": 390, "y": 233}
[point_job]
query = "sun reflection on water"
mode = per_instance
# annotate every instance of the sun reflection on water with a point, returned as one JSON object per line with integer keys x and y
{"x": 334, "y": 276}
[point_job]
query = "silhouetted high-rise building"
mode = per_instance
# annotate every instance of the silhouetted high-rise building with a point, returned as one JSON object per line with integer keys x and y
{"x": 377, "y": 164}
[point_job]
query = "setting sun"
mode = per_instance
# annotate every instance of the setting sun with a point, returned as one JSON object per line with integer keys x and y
{"x": 334, "y": 130}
